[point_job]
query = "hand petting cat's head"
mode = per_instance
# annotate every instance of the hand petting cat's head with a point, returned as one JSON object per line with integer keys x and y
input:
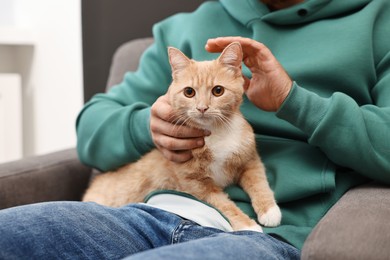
{"x": 205, "y": 94}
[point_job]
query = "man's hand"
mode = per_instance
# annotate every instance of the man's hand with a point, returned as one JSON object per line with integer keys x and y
{"x": 270, "y": 83}
{"x": 175, "y": 141}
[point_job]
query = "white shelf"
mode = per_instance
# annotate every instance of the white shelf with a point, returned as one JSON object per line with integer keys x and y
{"x": 16, "y": 36}
{"x": 10, "y": 117}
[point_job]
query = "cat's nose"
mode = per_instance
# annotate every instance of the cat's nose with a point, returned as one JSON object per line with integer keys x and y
{"x": 202, "y": 109}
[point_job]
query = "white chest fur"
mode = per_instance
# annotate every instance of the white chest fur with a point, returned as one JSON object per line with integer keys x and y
{"x": 222, "y": 144}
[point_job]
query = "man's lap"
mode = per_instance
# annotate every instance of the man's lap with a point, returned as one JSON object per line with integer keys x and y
{"x": 226, "y": 246}
{"x": 75, "y": 230}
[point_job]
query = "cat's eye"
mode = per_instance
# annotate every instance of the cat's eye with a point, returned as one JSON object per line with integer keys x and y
{"x": 218, "y": 91}
{"x": 189, "y": 92}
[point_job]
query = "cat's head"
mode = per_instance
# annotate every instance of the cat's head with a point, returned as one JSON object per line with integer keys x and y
{"x": 206, "y": 94}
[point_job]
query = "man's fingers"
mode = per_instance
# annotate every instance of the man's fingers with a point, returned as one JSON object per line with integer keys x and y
{"x": 182, "y": 131}
{"x": 164, "y": 121}
{"x": 214, "y": 46}
{"x": 177, "y": 131}
{"x": 173, "y": 138}
{"x": 162, "y": 109}
{"x": 250, "y": 47}
{"x": 218, "y": 44}
{"x": 247, "y": 81}
{"x": 178, "y": 157}
{"x": 175, "y": 144}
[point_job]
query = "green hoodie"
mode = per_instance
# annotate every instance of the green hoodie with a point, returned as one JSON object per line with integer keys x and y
{"x": 331, "y": 133}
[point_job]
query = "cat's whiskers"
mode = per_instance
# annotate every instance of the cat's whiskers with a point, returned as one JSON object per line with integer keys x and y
{"x": 175, "y": 117}
{"x": 226, "y": 123}
{"x": 180, "y": 120}
{"x": 223, "y": 120}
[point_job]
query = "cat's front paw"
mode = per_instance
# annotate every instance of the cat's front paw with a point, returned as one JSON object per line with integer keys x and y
{"x": 272, "y": 217}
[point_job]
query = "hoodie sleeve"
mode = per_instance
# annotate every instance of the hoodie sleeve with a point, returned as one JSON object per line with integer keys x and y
{"x": 353, "y": 136}
{"x": 113, "y": 128}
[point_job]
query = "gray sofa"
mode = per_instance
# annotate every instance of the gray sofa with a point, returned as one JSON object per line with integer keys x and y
{"x": 357, "y": 227}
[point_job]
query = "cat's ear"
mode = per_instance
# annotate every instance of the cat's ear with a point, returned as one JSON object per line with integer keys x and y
{"x": 177, "y": 59}
{"x": 232, "y": 55}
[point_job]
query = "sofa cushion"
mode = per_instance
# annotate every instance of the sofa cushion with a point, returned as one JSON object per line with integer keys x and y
{"x": 357, "y": 227}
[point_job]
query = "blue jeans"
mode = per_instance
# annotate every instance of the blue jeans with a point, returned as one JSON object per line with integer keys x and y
{"x": 76, "y": 230}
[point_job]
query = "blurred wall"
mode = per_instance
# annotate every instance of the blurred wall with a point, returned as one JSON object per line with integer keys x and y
{"x": 106, "y": 24}
{"x": 40, "y": 42}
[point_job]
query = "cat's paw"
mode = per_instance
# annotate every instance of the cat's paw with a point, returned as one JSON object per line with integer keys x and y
{"x": 272, "y": 217}
{"x": 255, "y": 227}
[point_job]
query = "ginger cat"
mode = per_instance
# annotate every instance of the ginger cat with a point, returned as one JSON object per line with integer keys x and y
{"x": 205, "y": 95}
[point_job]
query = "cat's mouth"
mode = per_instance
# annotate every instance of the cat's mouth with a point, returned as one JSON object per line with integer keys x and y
{"x": 203, "y": 119}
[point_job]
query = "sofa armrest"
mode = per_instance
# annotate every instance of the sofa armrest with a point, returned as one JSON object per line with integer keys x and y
{"x": 357, "y": 227}
{"x": 55, "y": 176}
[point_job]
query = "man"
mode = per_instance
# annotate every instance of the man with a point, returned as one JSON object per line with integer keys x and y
{"x": 317, "y": 88}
